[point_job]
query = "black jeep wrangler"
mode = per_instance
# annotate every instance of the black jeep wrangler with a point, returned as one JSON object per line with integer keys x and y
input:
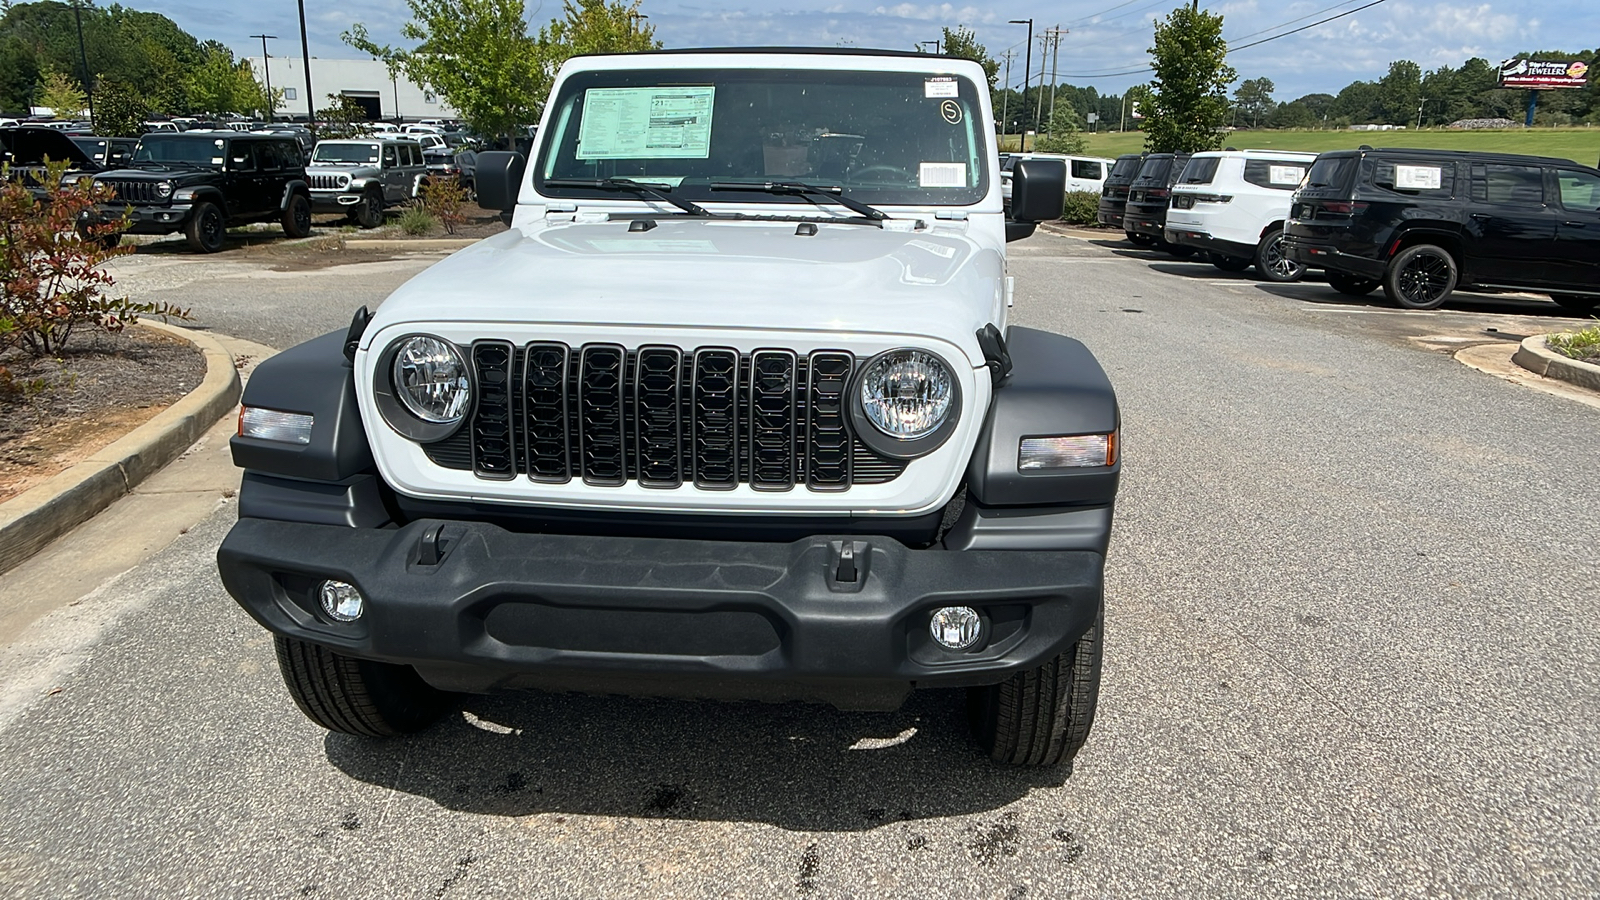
{"x": 203, "y": 183}
{"x": 27, "y": 149}
{"x": 1424, "y": 222}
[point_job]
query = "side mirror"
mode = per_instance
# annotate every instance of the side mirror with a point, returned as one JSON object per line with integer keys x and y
{"x": 499, "y": 179}
{"x": 1038, "y": 189}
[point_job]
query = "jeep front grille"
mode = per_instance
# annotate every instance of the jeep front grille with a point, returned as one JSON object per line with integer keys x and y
{"x": 662, "y": 416}
{"x": 328, "y": 181}
{"x": 134, "y": 191}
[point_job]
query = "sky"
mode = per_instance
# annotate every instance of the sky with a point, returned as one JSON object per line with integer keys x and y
{"x": 1105, "y": 37}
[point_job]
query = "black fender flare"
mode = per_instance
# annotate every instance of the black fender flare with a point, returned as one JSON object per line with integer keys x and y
{"x": 315, "y": 379}
{"x": 297, "y": 186}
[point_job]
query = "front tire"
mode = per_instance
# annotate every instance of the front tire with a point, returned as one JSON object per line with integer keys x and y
{"x": 1041, "y": 717}
{"x": 1273, "y": 265}
{"x": 1352, "y": 285}
{"x": 207, "y": 229}
{"x": 369, "y": 212}
{"x": 1576, "y": 304}
{"x": 297, "y": 217}
{"x": 1420, "y": 277}
{"x": 357, "y": 696}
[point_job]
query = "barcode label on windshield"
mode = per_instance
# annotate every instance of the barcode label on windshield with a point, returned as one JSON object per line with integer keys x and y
{"x": 942, "y": 175}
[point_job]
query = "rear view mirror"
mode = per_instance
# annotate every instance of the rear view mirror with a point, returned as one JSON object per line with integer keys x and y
{"x": 499, "y": 179}
{"x": 1038, "y": 192}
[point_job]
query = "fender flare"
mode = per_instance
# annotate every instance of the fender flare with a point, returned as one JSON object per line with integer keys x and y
{"x": 297, "y": 186}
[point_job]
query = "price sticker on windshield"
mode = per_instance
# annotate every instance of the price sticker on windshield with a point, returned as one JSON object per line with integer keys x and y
{"x": 943, "y": 86}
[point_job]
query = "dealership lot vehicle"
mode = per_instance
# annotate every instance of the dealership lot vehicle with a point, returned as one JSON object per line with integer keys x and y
{"x": 1231, "y": 204}
{"x": 1145, "y": 220}
{"x": 28, "y": 148}
{"x": 1084, "y": 173}
{"x": 202, "y": 183}
{"x": 1424, "y": 222}
{"x": 363, "y": 177}
{"x": 1114, "y": 193}
{"x": 107, "y": 151}
{"x": 755, "y": 358}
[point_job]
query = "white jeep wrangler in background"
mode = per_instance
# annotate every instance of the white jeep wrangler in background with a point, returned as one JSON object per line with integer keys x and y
{"x": 733, "y": 410}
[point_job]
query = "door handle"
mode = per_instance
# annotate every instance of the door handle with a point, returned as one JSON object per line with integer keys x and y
{"x": 1573, "y": 224}
{"x": 1481, "y": 217}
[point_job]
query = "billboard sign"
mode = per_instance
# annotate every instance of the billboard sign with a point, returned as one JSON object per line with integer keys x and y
{"x": 1540, "y": 75}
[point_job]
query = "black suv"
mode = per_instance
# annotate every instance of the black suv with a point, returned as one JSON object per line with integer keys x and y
{"x": 202, "y": 183}
{"x": 25, "y": 149}
{"x": 1423, "y": 222}
{"x": 1114, "y": 193}
{"x": 1145, "y": 221}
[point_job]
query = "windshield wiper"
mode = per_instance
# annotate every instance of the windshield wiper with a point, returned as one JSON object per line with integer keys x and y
{"x": 801, "y": 189}
{"x": 628, "y": 185}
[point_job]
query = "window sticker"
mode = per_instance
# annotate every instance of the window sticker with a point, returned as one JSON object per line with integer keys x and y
{"x": 646, "y": 123}
{"x": 1285, "y": 174}
{"x": 942, "y": 175}
{"x": 1418, "y": 178}
{"x": 951, "y": 111}
{"x": 943, "y": 86}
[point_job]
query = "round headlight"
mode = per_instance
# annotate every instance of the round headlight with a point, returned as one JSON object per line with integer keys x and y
{"x": 163, "y": 189}
{"x": 907, "y": 394}
{"x": 430, "y": 378}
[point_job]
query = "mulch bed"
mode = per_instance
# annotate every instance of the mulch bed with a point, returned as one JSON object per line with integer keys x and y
{"x": 102, "y": 387}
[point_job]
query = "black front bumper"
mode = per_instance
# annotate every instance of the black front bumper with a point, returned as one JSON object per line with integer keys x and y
{"x": 143, "y": 219}
{"x": 662, "y": 617}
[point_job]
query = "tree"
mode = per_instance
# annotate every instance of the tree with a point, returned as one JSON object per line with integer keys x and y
{"x": 596, "y": 26}
{"x": 1254, "y": 99}
{"x": 1189, "y": 94}
{"x": 1400, "y": 92}
{"x": 1065, "y": 132}
{"x": 61, "y": 94}
{"x": 222, "y": 85}
{"x": 477, "y": 55}
{"x": 340, "y": 116}
{"x": 963, "y": 42}
{"x": 119, "y": 109}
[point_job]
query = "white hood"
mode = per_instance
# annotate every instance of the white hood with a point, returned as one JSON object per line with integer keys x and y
{"x": 696, "y": 273}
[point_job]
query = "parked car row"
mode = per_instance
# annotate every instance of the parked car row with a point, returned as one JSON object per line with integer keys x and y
{"x": 1418, "y": 223}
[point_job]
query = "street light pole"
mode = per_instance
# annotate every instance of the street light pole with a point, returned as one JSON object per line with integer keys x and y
{"x": 266, "y": 73}
{"x": 1005, "y": 97}
{"x": 1055, "y": 57}
{"x": 83, "y": 58}
{"x": 1027, "y": 72}
{"x": 305, "y": 54}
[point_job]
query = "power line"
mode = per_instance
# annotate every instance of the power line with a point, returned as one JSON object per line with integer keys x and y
{"x": 1308, "y": 15}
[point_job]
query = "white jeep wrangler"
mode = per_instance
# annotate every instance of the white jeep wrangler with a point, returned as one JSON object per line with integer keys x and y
{"x": 731, "y": 411}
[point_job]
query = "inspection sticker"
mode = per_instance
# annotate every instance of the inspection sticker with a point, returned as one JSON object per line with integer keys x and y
{"x": 942, "y": 175}
{"x": 942, "y": 86}
{"x": 1418, "y": 178}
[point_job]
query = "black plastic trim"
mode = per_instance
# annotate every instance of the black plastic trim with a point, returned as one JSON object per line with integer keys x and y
{"x": 312, "y": 379}
{"x": 355, "y": 502}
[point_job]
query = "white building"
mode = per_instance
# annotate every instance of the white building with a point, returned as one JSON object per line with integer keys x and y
{"x": 366, "y": 81}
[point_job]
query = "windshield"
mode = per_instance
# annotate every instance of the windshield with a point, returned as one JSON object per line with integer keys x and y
{"x": 885, "y": 137}
{"x": 340, "y": 152}
{"x": 174, "y": 149}
{"x": 94, "y": 147}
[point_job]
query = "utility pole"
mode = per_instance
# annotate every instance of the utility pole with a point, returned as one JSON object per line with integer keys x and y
{"x": 305, "y": 54}
{"x": 1420, "y": 104}
{"x": 1005, "y": 96}
{"x": 266, "y": 74}
{"x": 1038, "y": 112}
{"x": 83, "y": 58}
{"x": 633, "y": 20}
{"x": 1055, "y": 56}
{"x": 1027, "y": 71}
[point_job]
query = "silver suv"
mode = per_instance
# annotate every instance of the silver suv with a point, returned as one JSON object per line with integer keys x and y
{"x": 360, "y": 177}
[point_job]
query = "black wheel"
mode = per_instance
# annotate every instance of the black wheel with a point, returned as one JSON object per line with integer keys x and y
{"x": 1574, "y": 303}
{"x": 357, "y": 696}
{"x": 1229, "y": 263}
{"x": 297, "y": 217}
{"x": 1143, "y": 240}
{"x": 1354, "y": 285}
{"x": 1272, "y": 265}
{"x": 206, "y": 229}
{"x": 369, "y": 212}
{"x": 1041, "y": 717}
{"x": 107, "y": 241}
{"x": 1420, "y": 277}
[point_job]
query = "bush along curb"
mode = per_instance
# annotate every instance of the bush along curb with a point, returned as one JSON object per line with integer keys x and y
{"x": 1535, "y": 356}
{"x": 46, "y": 511}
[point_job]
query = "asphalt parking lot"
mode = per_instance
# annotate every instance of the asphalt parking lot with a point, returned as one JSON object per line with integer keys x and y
{"x": 1350, "y": 652}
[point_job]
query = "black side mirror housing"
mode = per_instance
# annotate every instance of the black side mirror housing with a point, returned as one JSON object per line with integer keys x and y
{"x": 498, "y": 179}
{"x": 1038, "y": 189}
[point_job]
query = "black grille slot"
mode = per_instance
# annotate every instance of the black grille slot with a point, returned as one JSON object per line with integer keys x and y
{"x": 600, "y": 432}
{"x": 544, "y": 423}
{"x": 663, "y": 416}
{"x": 658, "y": 416}
{"x": 716, "y": 419}
{"x": 327, "y": 181}
{"x": 493, "y": 447}
{"x": 134, "y": 191}
{"x": 771, "y": 424}
{"x": 828, "y": 442}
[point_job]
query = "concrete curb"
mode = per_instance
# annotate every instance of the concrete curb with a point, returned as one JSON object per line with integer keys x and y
{"x": 46, "y": 511}
{"x": 1539, "y": 359}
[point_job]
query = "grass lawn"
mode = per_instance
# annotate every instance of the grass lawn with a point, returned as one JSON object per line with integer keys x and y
{"x": 1580, "y": 144}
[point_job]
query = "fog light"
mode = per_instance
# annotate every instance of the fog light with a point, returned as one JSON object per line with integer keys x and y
{"x": 342, "y": 602}
{"x": 955, "y": 627}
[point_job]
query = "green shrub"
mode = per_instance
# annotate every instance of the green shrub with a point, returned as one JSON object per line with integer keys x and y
{"x": 415, "y": 219}
{"x": 1582, "y": 345}
{"x": 1081, "y": 208}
